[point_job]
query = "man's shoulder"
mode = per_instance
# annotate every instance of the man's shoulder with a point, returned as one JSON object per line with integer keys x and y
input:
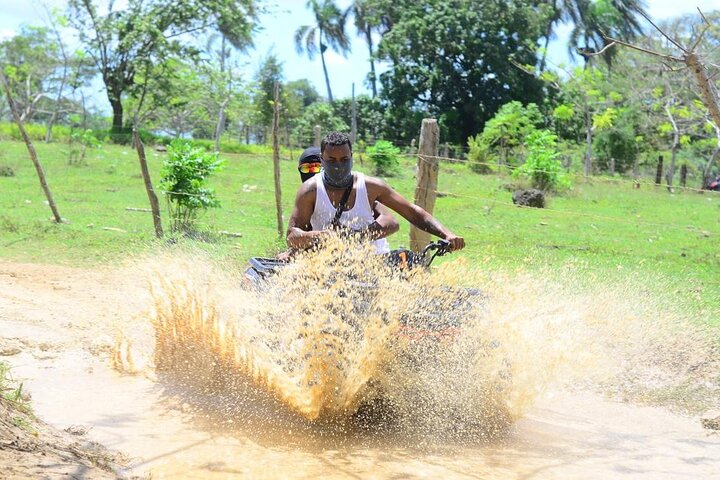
{"x": 375, "y": 182}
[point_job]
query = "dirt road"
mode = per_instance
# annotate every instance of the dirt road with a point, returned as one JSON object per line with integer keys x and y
{"x": 57, "y": 331}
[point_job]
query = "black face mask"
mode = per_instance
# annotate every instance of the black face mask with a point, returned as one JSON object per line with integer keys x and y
{"x": 337, "y": 174}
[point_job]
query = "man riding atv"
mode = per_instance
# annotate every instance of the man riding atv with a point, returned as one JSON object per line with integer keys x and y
{"x": 341, "y": 198}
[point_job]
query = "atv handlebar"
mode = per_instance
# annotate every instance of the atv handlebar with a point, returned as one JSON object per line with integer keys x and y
{"x": 439, "y": 247}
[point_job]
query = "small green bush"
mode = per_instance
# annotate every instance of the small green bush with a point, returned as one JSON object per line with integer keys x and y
{"x": 79, "y": 142}
{"x": 6, "y": 171}
{"x": 385, "y": 158}
{"x": 185, "y": 171}
{"x": 480, "y": 156}
{"x": 543, "y": 166}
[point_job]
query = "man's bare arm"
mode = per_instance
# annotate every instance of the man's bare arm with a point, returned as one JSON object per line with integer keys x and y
{"x": 300, "y": 234}
{"x": 385, "y": 223}
{"x": 414, "y": 214}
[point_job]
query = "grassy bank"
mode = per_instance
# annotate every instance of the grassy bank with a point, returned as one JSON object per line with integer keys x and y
{"x": 604, "y": 229}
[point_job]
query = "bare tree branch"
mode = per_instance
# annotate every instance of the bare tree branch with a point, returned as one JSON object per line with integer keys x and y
{"x": 644, "y": 50}
{"x": 672, "y": 40}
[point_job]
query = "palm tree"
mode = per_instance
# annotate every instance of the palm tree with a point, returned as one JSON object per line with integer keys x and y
{"x": 591, "y": 18}
{"x": 329, "y": 30}
{"x": 365, "y": 22}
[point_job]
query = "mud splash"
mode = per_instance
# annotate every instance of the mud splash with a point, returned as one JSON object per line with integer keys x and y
{"x": 344, "y": 343}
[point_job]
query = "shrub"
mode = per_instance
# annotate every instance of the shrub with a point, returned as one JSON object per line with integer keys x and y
{"x": 6, "y": 171}
{"x": 185, "y": 171}
{"x": 79, "y": 143}
{"x": 543, "y": 166}
{"x": 385, "y": 158}
{"x": 480, "y": 156}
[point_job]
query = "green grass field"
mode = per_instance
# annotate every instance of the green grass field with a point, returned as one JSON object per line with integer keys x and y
{"x": 605, "y": 230}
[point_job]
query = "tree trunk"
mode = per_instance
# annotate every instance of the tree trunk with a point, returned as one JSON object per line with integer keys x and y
{"x": 373, "y": 79}
{"x": 425, "y": 191}
{"x": 588, "y": 143}
{"x": 670, "y": 172}
{"x": 327, "y": 78}
{"x": 30, "y": 147}
{"x": 154, "y": 205}
{"x": 117, "y": 108}
{"x": 708, "y": 167}
{"x": 220, "y": 127}
{"x": 353, "y": 120}
{"x": 708, "y": 91}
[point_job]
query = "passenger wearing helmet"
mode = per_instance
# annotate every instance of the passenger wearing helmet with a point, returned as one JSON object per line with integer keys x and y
{"x": 341, "y": 197}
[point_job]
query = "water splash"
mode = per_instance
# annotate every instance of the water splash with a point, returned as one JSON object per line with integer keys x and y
{"x": 336, "y": 336}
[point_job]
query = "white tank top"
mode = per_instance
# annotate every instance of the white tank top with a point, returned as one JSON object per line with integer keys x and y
{"x": 360, "y": 216}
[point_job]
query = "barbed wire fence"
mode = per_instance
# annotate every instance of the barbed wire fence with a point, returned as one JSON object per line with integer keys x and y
{"x": 491, "y": 201}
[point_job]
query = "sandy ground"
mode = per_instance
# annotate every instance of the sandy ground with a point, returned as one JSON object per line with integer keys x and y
{"x": 56, "y": 330}
{"x": 45, "y": 310}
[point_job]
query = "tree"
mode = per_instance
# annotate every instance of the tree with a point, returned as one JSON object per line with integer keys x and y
{"x": 328, "y": 31}
{"x": 319, "y": 113}
{"x": 370, "y": 116}
{"x": 505, "y": 133}
{"x": 587, "y": 97}
{"x": 124, "y": 41}
{"x": 367, "y": 20}
{"x": 29, "y": 58}
{"x": 270, "y": 73}
{"x": 450, "y": 60}
{"x": 590, "y": 19}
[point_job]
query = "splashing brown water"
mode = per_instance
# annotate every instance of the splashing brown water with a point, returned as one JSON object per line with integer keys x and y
{"x": 337, "y": 339}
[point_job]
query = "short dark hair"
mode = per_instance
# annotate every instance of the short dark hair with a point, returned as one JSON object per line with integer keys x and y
{"x": 335, "y": 139}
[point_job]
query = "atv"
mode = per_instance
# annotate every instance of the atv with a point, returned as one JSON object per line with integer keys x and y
{"x": 423, "y": 320}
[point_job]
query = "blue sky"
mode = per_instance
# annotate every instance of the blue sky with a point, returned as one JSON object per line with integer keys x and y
{"x": 285, "y": 16}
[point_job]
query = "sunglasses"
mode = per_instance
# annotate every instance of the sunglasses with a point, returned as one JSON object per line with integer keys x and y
{"x": 309, "y": 168}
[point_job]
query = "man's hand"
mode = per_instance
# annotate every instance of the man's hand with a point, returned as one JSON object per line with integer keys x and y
{"x": 456, "y": 243}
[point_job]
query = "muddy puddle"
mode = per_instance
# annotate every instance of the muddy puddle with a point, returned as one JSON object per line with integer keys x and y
{"x": 189, "y": 380}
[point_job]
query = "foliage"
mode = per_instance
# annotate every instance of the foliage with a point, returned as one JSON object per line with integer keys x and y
{"x": 619, "y": 143}
{"x": 79, "y": 143}
{"x": 328, "y": 31}
{"x": 542, "y": 165}
{"x": 124, "y": 42}
{"x": 385, "y": 157}
{"x": 590, "y": 21}
{"x": 503, "y": 137}
{"x": 480, "y": 156}
{"x": 36, "y": 132}
{"x": 269, "y": 74}
{"x": 29, "y": 60}
{"x": 6, "y": 171}
{"x": 319, "y": 113}
{"x": 184, "y": 174}
{"x": 370, "y": 116}
{"x": 450, "y": 59}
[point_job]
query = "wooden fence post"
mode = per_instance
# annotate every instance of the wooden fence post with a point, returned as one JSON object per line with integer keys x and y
{"x": 154, "y": 204}
{"x": 316, "y": 131}
{"x": 658, "y": 173}
{"x": 276, "y": 161}
{"x": 30, "y": 147}
{"x": 425, "y": 190}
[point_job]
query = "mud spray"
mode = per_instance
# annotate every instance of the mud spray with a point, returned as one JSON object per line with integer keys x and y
{"x": 337, "y": 342}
